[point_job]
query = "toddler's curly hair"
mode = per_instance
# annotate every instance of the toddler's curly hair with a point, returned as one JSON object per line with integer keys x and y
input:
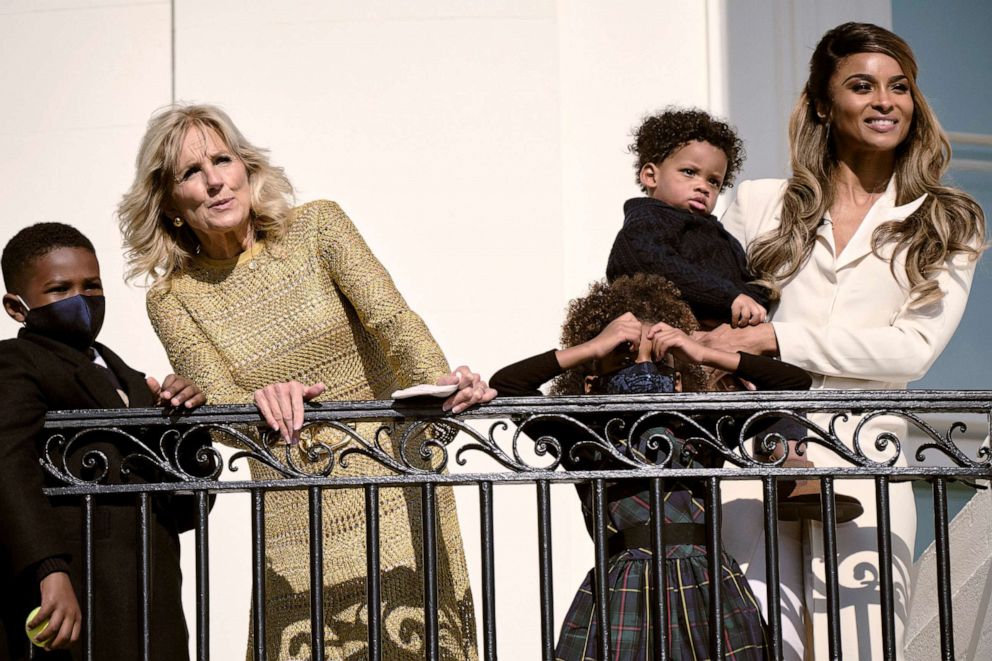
{"x": 650, "y": 297}
{"x": 661, "y": 134}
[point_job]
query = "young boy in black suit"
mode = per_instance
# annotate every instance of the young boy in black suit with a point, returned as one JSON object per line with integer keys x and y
{"x": 53, "y": 288}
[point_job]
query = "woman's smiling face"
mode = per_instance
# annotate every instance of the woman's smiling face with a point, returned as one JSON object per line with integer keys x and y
{"x": 871, "y": 104}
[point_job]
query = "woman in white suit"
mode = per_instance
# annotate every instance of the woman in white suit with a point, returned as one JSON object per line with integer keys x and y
{"x": 872, "y": 259}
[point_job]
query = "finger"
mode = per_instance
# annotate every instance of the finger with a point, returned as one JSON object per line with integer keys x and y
{"x": 466, "y": 377}
{"x": 659, "y": 327}
{"x": 631, "y": 331}
{"x": 447, "y": 379}
{"x": 186, "y": 393}
{"x": 284, "y": 404}
{"x": 170, "y": 385}
{"x": 52, "y": 630}
{"x": 456, "y": 401}
{"x": 64, "y": 634}
{"x": 153, "y": 385}
{"x": 199, "y": 399}
{"x": 296, "y": 401}
{"x": 262, "y": 402}
{"x": 76, "y": 628}
{"x": 312, "y": 391}
{"x": 43, "y": 614}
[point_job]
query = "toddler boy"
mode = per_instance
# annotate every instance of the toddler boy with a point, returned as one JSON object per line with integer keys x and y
{"x": 685, "y": 159}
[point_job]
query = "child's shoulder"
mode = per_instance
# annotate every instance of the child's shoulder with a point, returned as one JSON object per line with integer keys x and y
{"x": 21, "y": 361}
{"x": 31, "y": 350}
{"x": 17, "y": 347}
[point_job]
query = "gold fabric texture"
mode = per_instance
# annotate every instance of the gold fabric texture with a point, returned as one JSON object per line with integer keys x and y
{"x": 318, "y": 306}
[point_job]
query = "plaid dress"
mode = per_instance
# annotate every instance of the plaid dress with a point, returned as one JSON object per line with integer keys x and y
{"x": 629, "y": 582}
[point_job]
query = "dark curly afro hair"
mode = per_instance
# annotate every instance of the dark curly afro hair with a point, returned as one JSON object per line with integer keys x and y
{"x": 660, "y": 135}
{"x": 651, "y": 298}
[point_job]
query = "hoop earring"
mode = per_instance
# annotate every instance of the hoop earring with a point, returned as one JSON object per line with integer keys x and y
{"x": 178, "y": 222}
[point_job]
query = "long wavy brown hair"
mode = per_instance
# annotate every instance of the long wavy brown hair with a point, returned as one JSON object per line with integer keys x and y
{"x": 949, "y": 222}
{"x": 650, "y": 297}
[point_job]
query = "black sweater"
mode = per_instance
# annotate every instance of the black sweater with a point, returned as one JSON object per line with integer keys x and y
{"x": 696, "y": 253}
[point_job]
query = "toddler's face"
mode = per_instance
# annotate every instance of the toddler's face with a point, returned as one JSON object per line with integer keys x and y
{"x": 689, "y": 179}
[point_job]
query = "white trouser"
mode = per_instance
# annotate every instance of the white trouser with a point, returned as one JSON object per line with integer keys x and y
{"x": 801, "y": 557}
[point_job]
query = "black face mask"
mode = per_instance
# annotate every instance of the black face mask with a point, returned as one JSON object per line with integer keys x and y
{"x": 640, "y": 378}
{"x": 75, "y": 321}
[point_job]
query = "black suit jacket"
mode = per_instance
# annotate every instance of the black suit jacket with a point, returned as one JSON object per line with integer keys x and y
{"x": 37, "y": 375}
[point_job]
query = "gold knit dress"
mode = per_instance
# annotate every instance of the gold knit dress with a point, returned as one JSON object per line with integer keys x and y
{"x": 319, "y": 307}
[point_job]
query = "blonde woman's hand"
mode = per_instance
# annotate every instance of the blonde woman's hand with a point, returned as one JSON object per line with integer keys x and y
{"x": 472, "y": 390}
{"x": 281, "y": 404}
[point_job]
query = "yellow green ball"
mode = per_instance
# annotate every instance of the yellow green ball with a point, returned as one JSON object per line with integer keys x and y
{"x": 33, "y": 633}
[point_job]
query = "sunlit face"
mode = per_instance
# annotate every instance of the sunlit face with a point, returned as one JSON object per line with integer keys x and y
{"x": 871, "y": 107}
{"x": 58, "y": 274}
{"x": 211, "y": 192}
{"x": 689, "y": 179}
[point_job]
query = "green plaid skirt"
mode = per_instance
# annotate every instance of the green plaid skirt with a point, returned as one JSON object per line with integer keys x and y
{"x": 688, "y": 582}
{"x": 631, "y": 629}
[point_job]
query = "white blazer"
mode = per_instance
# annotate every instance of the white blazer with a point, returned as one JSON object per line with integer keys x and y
{"x": 847, "y": 319}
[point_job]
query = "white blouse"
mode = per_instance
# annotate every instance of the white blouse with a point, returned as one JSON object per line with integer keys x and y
{"x": 847, "y": 319}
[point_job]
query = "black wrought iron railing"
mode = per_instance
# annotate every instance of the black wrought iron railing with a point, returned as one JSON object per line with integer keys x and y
{"x": 429, "y": 450}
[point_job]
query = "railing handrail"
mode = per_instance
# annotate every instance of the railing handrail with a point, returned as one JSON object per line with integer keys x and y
{"x": 930, "y": 401}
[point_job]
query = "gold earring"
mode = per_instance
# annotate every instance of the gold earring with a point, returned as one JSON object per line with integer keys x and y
{"x": 178, "y": 222}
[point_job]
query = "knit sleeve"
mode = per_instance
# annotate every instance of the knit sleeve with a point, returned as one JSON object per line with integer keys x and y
{"x": 190, "y": 352}
{"x": 411, "y": 350}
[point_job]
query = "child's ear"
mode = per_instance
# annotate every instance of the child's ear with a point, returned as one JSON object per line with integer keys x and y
{"x": 14, "y": 308}
{"x": 649, "y": 176}
{"x": 589, "y": 383}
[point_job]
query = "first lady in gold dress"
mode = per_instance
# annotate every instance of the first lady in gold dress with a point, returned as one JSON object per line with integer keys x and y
{"x": 258, "y": 301}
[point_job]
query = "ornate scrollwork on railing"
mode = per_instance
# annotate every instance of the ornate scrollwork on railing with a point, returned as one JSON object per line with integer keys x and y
{"x": 644, "y": 435}
{"x": 94, "y": 454}
{"x": 944, "y": 444}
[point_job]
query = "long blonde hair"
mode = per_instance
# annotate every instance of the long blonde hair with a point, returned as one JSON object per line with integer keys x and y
{"x": 949, "y": 222}
{"x": 155, "y": 248}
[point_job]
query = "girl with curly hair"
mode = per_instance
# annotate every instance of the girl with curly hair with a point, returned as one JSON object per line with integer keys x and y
{"x": 607, "y": 350}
